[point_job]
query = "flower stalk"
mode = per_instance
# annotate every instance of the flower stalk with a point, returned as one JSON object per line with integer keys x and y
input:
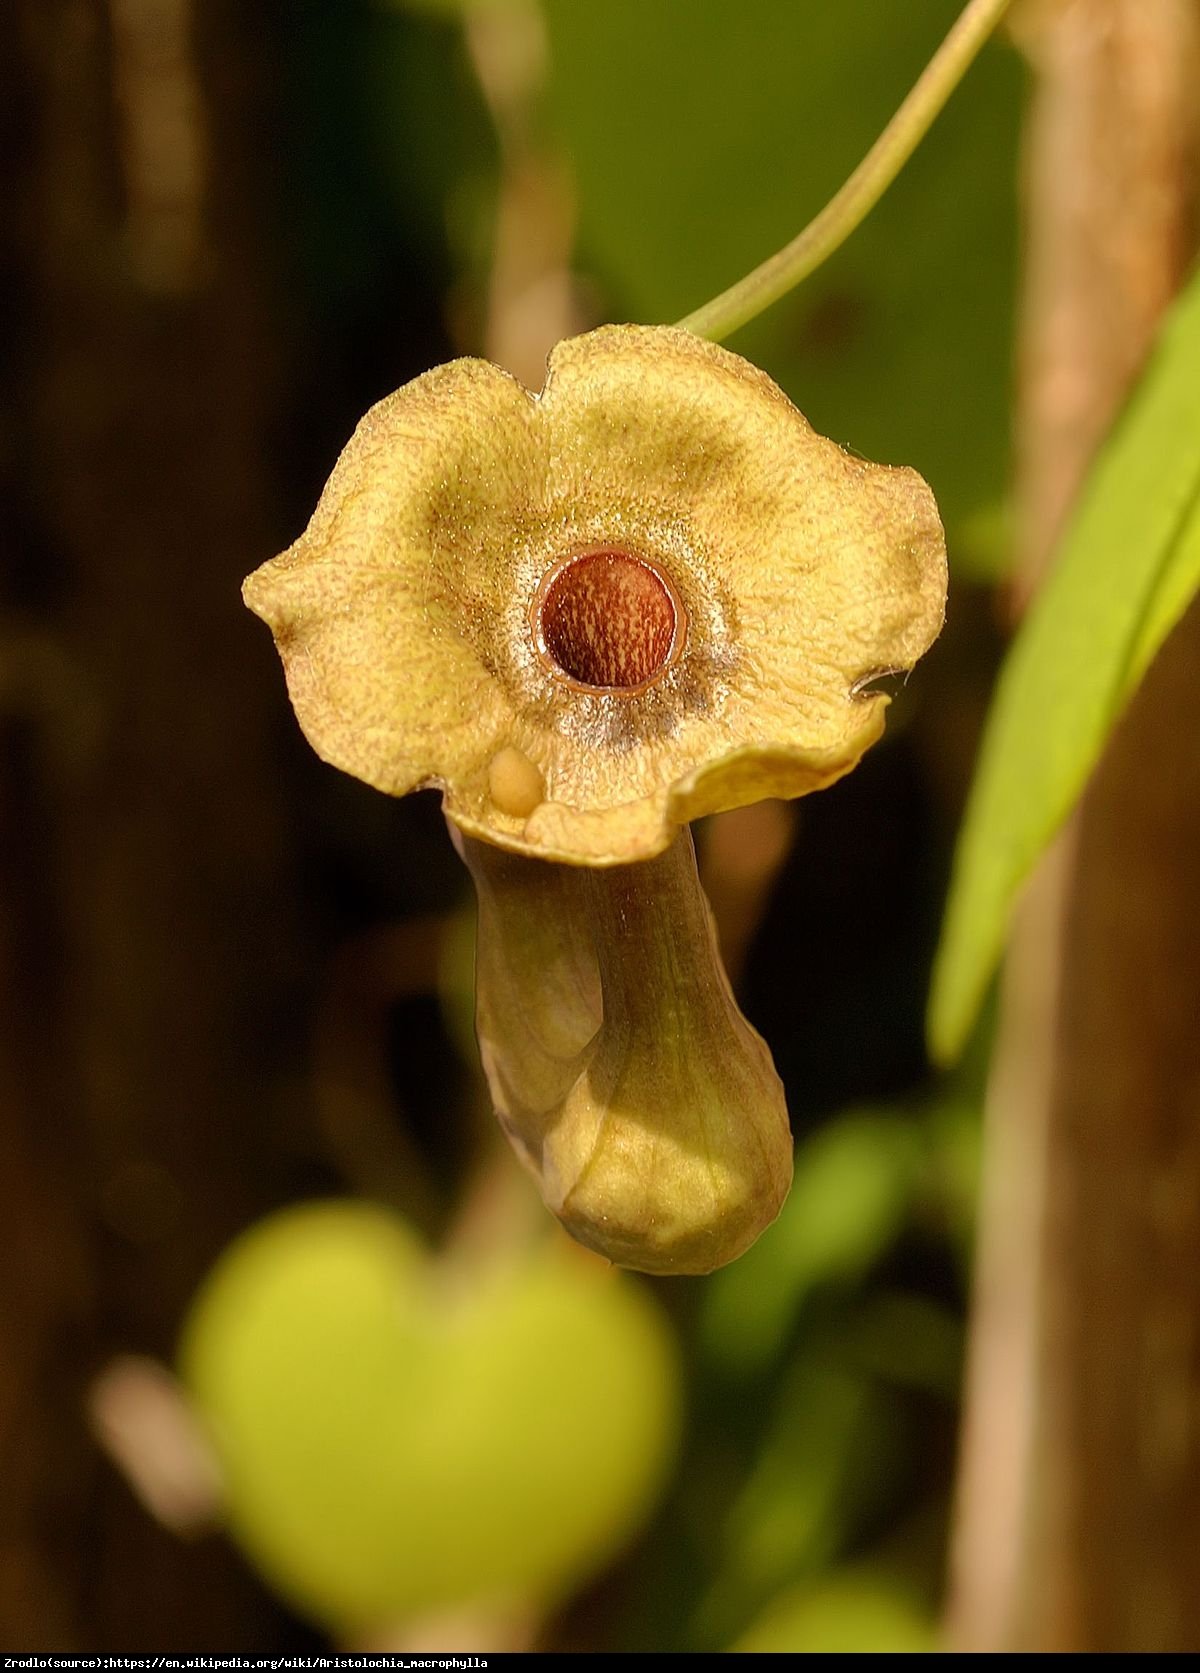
{"x": 618, "y": 1061}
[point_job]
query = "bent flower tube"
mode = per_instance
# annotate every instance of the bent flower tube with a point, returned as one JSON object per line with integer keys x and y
{"x": 589, "y": 616}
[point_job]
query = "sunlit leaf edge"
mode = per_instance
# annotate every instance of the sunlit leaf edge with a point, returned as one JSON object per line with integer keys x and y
{"x": 1127, "y": 569}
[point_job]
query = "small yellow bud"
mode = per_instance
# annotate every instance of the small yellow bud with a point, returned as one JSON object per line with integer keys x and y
{"x": 515, "y": 784}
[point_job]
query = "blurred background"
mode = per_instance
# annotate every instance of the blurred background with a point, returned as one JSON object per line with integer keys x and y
{"x": 233, "y": 981}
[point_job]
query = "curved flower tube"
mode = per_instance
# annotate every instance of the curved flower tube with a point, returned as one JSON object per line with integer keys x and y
{"x": 619, "y": 1064}
{"x": 590, "y": 616}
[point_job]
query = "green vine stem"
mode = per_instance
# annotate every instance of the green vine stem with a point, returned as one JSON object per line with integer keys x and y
{"x": 862, "y": 191}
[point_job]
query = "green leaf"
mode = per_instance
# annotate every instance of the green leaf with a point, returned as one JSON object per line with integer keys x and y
{"x": 394, "y": 1440}
{"x": 1125, "y": 573}
{"x": 1173, "y": 592}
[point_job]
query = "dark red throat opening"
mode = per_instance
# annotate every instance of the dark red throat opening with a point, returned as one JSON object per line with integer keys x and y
{"x": 608, "y": 620}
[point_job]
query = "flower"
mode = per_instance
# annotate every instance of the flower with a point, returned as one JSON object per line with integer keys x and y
{"x": 589, "y": 616}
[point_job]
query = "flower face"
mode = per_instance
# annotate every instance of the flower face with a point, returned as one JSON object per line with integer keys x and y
{"x": 589, "y": 616}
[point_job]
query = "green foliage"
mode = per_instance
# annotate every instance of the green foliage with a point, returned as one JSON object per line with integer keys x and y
{"x": 950, "y": 1186}
{"x": 824, "y": 1465}
{"x": 849, "y": 1197}
{"x": 854, "y": 1611}
{"x": 703, "y": 136}
{"x": 1128, "y": 566}
{"x": 904, "y": 1341}
{"x": 836, "y": 1445}
{"x": 398, "y": 1437}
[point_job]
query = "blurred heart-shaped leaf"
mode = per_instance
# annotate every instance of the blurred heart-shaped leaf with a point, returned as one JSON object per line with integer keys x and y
{"x": 398, "y": 1437}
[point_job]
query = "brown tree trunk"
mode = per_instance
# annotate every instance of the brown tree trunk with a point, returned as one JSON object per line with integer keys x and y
{"x": 1113, "y": 1561}
{"x": 144, "y": 913}
{"x": 1080, "y": 1491}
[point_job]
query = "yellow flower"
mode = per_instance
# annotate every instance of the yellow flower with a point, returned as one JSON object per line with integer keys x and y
{"x": 590, "y": 616}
